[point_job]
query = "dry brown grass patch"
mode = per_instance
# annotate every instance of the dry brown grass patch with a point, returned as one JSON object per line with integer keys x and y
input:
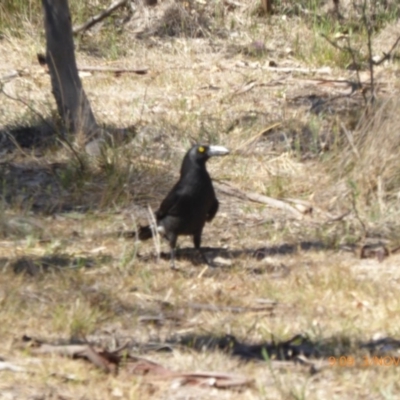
{"x": 369, "y": 162}
{"x": 184, "y": 19}
{"x": 63, "y": 277}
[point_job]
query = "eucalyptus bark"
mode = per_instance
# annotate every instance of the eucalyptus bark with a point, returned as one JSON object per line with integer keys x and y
{"x": 72, "y": 103}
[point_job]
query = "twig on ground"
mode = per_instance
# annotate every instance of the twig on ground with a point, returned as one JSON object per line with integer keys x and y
{"x": 6, "y": 366}
{"x": 11, "y": 75}
{"x": 115, "y": 70}
{"x": 258, "y": 198}
{"x": 323, "y": 70}
{"x": 232, "y": 309}
{"x": 245, "y": 88}
{"x": 110, "y": 362}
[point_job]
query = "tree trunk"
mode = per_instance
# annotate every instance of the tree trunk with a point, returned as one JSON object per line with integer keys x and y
{"x": 267, "y": 6}
{"x": 72, "y": 103}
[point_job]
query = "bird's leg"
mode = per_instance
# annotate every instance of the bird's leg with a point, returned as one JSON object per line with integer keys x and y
{"x": 173, "y": 266}
{"x": 197, "y": 243}
{"x": 172, "y": 243}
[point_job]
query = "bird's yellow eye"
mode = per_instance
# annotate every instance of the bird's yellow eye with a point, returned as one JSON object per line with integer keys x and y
{"x": 201, "y": 149}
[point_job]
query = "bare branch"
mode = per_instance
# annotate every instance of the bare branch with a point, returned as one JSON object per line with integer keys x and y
{"x": 368, "y": 26}
{"x": 99, "y": 17}
{"x": 388, "y": 55}
{"x": 355, "y": 62}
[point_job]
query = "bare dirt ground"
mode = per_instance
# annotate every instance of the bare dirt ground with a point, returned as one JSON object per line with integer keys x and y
{"x": 290, "y": 294}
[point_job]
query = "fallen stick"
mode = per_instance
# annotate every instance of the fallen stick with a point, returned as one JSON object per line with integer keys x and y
{"x": 116, "y": 70}
{"x": 323, "y": 70}
{"x": 258, "y": 198}
{"x": 6, "y": 366}
{"x": 232, "y": 309}
{"x": 8, "y": 77}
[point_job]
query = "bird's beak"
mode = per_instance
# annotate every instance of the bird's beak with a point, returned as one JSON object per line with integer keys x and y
{"x": 217, "y": 151}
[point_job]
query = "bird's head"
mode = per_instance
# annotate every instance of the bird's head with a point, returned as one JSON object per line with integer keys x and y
{"x": 204, "y": 152}
{"x": 200, "y": 153}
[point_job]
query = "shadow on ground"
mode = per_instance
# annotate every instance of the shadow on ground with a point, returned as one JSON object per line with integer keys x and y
{"x": 221, "y": 258}
{"x": 38, "y": 135}
{"x": 46, "y": 133}
{"x": 33, "y": 181}
{"x": 36, "y": 265}
{"x": 292, "y": 349}
{"x": 337, "y": 350}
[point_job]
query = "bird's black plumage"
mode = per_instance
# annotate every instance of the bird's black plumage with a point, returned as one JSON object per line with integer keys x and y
{"x": 190, "y": 203}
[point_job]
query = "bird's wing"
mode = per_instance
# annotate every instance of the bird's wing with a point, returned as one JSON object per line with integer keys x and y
{"x": 213, "y": 210}
{"x": 169, "y": 203}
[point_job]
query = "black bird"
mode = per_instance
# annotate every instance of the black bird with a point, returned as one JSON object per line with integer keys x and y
{"x": 190, "y": 203}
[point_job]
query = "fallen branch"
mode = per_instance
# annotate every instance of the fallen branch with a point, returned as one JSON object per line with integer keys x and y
{"x": 6, "y": 366}
{"x": 323, "y": 70}
{"x": 232, "y": 309}
{"x": 99, "y": 17}
{"x": 110, "y": 361}
{"x": 257, "y": 198}
{"x": 8, "y": 77}
{"x": 139, "y": 71}
{"x": 214, "y": 379}
{"x": 116, "y": 70}
{"x": 245, "y": 88}
{"x": 98, "y": 358}
{"x": 305, "y": 207}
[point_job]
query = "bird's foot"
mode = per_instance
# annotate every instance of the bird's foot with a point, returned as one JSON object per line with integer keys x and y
{"x": 174, "y": 267}
{"x": 206, "y": 260}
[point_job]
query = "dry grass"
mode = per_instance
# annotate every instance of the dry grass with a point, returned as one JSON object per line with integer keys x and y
{"x": 62, "y": 278}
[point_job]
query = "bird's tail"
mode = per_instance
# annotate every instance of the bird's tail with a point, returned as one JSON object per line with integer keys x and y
{"x": 144, "y": 233}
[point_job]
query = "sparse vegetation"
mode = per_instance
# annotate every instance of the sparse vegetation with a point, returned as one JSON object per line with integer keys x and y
{"x": 292, "y": 109}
